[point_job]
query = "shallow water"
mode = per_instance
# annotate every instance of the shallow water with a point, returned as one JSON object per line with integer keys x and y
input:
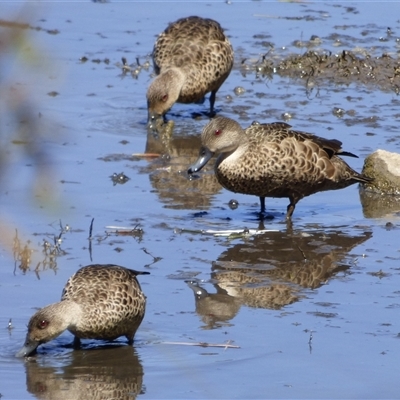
{"x": 312, "y": 308}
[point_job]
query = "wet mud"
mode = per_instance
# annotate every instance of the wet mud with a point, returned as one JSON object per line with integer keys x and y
{"x": 316, "y": 67}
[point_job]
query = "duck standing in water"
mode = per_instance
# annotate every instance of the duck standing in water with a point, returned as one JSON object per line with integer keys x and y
{"x": 191, "y": 58}
{"x": 272, "y": 160}
{"x": 98, "y": 302}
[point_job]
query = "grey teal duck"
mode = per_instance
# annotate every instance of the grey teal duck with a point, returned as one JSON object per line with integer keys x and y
{"x": 191, "y": 58}
{"x": 98, "y": 302}
{"x": 272, "y": 160}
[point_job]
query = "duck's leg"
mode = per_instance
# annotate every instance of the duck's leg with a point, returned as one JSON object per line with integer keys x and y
{"x": 212, "y": 101}
{"x": 291, "y": 206}
{"x": 262, "y": 205}
{"x": 130, "y": 340}
{"x": 290, "y": 209}
{"x": 77, "y": 343}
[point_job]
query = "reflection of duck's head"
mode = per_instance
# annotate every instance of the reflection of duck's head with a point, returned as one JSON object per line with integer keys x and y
{"x": 214, "y": 308}
{"x": 168, "y": 173}
{"x": 199, "y": 292}
{"x": 98, "y": 302}
{"x": 112, "y": 372}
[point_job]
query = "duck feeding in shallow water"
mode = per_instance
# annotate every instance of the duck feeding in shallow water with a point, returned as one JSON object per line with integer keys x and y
{"x": 98, "y": 302}
{"x": 191, "y": 57}
{"x": 272, "y": 160}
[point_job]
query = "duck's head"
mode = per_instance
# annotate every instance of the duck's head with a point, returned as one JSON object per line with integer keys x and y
{"x": 45, "y": 325}
{"x": 220, "y": 135}
{"x": 162, "y": 94}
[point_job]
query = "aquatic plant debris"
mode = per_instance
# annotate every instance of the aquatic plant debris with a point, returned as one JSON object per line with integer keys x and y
{"x": 204, "y": 344}
{"x": 233, "y": 233}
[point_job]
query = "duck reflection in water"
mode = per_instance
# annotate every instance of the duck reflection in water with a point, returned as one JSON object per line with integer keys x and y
{"x": 272, "y": 271}
{"x": 167, "y": 171}
{"x": 112, "y": 372}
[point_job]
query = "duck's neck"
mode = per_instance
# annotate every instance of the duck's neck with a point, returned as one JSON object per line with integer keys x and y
{"x": 74, "y": 311}
{"x": 233, "y": 155}
{"x": 56, "y": 318}
{"x": 70, "y": 313}
{"x": 173, "y": 79}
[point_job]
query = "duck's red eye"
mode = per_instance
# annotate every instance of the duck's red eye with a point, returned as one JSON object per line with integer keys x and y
{"x": 42, "y": 324}
{"x": 217, "y": 132}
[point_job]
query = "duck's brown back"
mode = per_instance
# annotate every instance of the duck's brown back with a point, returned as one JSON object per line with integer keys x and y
{"x": 280, "y": 162}
{"x": 111, "y": 298}
{"x": 200, "y": 48}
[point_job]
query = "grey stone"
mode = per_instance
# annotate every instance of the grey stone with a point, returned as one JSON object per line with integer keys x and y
{"x": 384, "y": 168}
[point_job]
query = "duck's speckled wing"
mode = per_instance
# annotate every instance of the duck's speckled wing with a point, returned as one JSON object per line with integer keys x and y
{"x": 185, "y": 41}
{"x": 111, "y": 299}
{"x": 279, "y": 131}
{"x": 281, "y": 162}
{"x": 198, "y": 46}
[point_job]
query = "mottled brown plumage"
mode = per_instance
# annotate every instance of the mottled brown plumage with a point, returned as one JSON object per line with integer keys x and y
{"x": 191, "y": 58}
{"x": 272, "y": 160}
{"x": 98, "y": 302}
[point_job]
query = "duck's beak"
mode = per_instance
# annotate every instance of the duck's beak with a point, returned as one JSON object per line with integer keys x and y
{"x": 28, "y": 348}
{"x": 204, "y": 156}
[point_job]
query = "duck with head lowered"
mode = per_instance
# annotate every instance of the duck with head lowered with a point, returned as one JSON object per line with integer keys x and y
{"x": 98, "y": 302}
{"x": 191, "y": 57}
